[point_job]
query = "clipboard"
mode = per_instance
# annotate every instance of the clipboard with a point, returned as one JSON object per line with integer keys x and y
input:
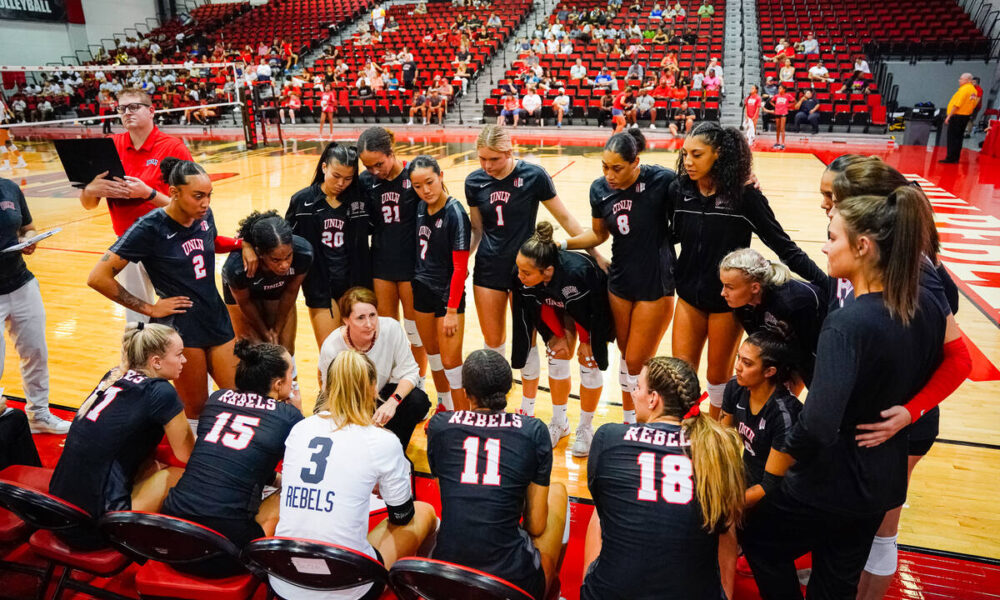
{"x": 86, "y": 158}
{"x": 30, "y": 241}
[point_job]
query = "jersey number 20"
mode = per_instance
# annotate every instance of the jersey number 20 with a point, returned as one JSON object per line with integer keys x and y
{"x": 333, "y": 240}
{"x": 470, "y": 472}
{"x": 675, "y": 487}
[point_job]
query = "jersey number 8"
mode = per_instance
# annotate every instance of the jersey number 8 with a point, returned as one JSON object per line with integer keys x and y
{"x": 623, "y": 227}
{"x": 676, "y": 486}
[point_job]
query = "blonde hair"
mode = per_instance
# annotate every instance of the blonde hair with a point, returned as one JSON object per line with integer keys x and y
{"x": 755, "y": 267}
{"x": 349, "y": 395}
{"x": 494, "y": 137}
{"x": 140, "y": 342}
{"x": 716, "y": 451}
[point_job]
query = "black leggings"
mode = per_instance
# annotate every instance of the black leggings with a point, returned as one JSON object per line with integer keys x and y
{"x": 779, "y": 530}
{"x": 410, "y": 411}
{"x": 16, "y": 445}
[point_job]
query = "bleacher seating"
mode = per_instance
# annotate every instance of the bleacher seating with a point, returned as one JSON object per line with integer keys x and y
{"x": 302, "y": 22}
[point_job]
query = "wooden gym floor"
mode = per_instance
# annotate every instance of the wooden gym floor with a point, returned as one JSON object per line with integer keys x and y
{"x": 951, "y": 501}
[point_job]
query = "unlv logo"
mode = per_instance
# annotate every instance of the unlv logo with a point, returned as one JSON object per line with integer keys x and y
{"x": 390, "y": 197}
{"x": 518, "y": 182}
{"x": 501, "y": 197}
{"x": 204, "y": 225}
{"x": 640, "y": 187}
{"x": 406, "y": 184}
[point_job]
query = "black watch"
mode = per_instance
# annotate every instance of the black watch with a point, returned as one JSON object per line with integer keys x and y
{"x": 151, "y": 195}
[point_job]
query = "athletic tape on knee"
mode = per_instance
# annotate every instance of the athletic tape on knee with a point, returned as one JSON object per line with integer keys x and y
{"x": 715, "y": 393}
{"x": 622, "y": 373}
{"x": 501, "y": 349}
{"x": 631, "y": 381}
{"x": 410, "y": 327}
{"x": 882, "y": 557}
{"x": 558, "y": 368}
{"x": 295, "y": 371}
{"x": 592, "y": 379}
{"x": 454, "y": 377}
{"x": 434, "y": 362}
{"x": 532, "y": 368}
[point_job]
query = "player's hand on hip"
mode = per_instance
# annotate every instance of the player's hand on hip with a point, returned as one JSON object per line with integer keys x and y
{"x": 165, "y": 307}
{"x": 896, "y": 418}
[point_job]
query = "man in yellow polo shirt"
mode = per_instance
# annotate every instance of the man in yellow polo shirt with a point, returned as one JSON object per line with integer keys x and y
{"x": 960, "y": 109}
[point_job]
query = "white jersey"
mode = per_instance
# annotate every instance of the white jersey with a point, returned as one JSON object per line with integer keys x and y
{"x": 391, "y": 354}
{"x": 327, "y": 481}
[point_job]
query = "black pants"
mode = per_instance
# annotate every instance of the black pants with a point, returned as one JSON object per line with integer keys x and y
{"x": 410, "y": 411}
{"x": 802, "y": 117}
{"x": 956, "y": 133}
{"x": 779, "y": 530}
{"x": 16, "y": 445}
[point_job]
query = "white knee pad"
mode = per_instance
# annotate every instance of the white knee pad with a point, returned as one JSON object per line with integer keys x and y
{"x": 882, "y": 557}
{"x": 532, "y": 368}
{"x": 631, "y": 382}
{"x": 592, "y": 379}
{"x": 410, "y": 327}
{"x": 454, "y": 377}
{"x": 716, "y": 391}
{"x": 434, "y": 362}
{"x": 622, "y": 373}
{"x": 501, "y": 349}
{"x": 558, "y": 368}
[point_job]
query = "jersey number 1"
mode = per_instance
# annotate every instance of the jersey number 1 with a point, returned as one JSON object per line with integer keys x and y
{"x": 109, "y": 396}
{"x": 470, "y": 472}
{"x": 676, "y": 486}
{"x": 500, "y": 215}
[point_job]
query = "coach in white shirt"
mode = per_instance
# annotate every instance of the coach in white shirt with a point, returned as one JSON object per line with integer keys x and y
{"x": 401, "y": 403}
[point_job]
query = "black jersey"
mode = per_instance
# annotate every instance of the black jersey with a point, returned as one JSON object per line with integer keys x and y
{"x": 241, "y": 438}
{"x": 708, "y": 228}
{"x": 579, "y": 289}
{"x": 264, "y": 285}
{"x": 856, "y": 378}
{"x": 642, "y": 482}
{"x": 14, "y": 215}
{"x": 439, "y": 235}
{"x": 642, "y": 257}
{"x": 106, "y": 445}
{"x": 762, "y": 431}
{"x": 799, "y": 308}
{"x": 484, "y": 463}
{"x": 339, "y": 237}
{"x": 508, "y": 208}
{"x": 181, "y": 262}
{"x": 393, "y": 206}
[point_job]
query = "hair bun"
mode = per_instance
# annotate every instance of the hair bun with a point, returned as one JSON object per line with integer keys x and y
{"x": 244, "y": 349}
{"x": 544, "y": 231}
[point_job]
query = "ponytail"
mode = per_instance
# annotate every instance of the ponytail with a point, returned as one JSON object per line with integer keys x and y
{"x": 756, "y": 268}
{"x": 344, "y": 155}
{"x": 899, "y": 225}
{"x": 716, "y": 452}
{"x": 540, "y": 248}
{"x": 259, "y": 366}
{"x": 175, "y": 172}
{"x": 628, "y": 144}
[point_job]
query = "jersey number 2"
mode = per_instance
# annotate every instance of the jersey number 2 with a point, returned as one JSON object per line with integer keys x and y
{"x": 676, "y": 486}
{"x": 199, "y": 266}
{"x": 241, "y": 430}
{"x": 470, "y": 472}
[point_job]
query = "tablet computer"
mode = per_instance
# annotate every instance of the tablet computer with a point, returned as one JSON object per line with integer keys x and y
{"x": 87, "y": 158}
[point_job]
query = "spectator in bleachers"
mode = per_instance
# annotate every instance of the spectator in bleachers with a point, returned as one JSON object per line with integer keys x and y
{"x": 603, "y": 46}
{"x": 633, "y": 31}
{"x": 819, "y": 72}
{"x": 781, "y": 50}
{"x": 418, "y": 107}
{"x": 706, "y": 10}
{"x": 855, "y": 84}
{"x": 810, "y": 45}
{"x": 669, "y": 60}
{"x": 752, "y": 109}
{"x": 660, "y": 36}
{"x": 690, "y": 35}
{"x": 635, "y": 71}
{"x": 683, "y": 81}
{"x": 494, "y": 21}
{"x": 290, "y": 104}
{"x": 421, "y": 8}
{"x": 662, "y": 90}
{"x": 657, "y": 12}
{"x": 645, "y": 107}
{"x": 551, "y": 45}
{"x": 444, "y": 88}
{"x": 532, "y": 105}
{"x": 409, "y": 70}
{"x": 538, "y": 46}
{"x": 807, "y": 110}
{"x": 578, "y": 72}
{"x": 634, "y": 50}
{"x": 510, "y": 108}
{"x": 684, "y": 117}
{"x": 782, "y": 103}
{"x": 636, "y": 6}
{"x": 679, "y": 11}
{"x": 566, "y": 47}
{"x": 263, "y": 70}
{"x": 713, "y": 80}
{"x": 561, "y": 105}
{"x": 697, "y": 82}
{"x": 44, "y": 111}
{"x": 604, "y": 110}
{"x": 20, "y": 107}
{"x": 327, "y": 107}
{"x": 861, "y": 65}
{"x": 786, "y": 74}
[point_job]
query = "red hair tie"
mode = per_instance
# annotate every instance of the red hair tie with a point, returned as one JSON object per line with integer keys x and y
{"x": 693, "y": 412}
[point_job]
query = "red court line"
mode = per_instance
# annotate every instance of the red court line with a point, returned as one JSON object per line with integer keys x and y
{"x": 69, "y": 250}
{"x": 563, "y": 169}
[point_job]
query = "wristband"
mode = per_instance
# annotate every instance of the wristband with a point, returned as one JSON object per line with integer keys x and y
{"x": 397, "y": 397}
{"x": 564, "y": 245}
{"x": 151, "y": 196}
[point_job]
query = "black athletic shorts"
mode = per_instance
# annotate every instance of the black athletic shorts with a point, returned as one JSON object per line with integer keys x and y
{"x": 923, "y": 433}
{"x": 326, "y": 298}
{"x": 491, "y": 281}
{"x": 426, "y": 300}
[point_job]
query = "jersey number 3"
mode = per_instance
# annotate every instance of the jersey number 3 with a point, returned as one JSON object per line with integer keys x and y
{"x": 470, "y": 472}
{"x": 676, "y": 486}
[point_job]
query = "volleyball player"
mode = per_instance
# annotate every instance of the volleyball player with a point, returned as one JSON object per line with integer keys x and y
{"x": 262, "y": 306}
{"x": 333, "y": 461}
{"x": 835, "y": 496}
{"x": 663, "y": 490}
{"x": 714, "y": 210}
{"x": 764, "y": 295}
{"x": 564, "y": 296}
{"x": 443, "y": 240}
{"x": 332, "y": 215}
{"x": 494, "y": 468}
{"x": 394, "y": 214}
{"x": 628, "y": 204}
{"x": 177, "y": 246}
{"x": 503, "y": 197}
{"x": 102, "y": 466}
{"x": 241, "y": 438}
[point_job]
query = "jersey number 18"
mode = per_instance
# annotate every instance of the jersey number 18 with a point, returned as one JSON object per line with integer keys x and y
{"x": 676, "y": 486}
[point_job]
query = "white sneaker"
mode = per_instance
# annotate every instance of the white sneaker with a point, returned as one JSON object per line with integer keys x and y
{"x": 21, "y": 164}
{"x": 652, "y": 125}
{"x": 581, "y": 444}
{"x": 5, "y": 166}
{"x": 558, "y": 431}
{"x": 46, "y": 422}
{"x": 635, "y": 126}
{"x": 411, "y": 122}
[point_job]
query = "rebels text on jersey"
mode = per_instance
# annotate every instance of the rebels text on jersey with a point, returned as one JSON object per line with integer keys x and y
{"x": 485, "y": 463}
{"x": 762, "y": 431}
{"x": 642, "y": 482}
{"x": 439, "y": 235}
{"x": 508, "y": 208}
{"x": 641, "y": 253}
{"x": 394, "y": 217}
{"x": 181, "y": 262}
{"x": 241, "y": 438}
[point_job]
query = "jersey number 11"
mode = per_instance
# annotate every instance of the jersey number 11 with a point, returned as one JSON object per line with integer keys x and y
{"x": 470, "y": 473}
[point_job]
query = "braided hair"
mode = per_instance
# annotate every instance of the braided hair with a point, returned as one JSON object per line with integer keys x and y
{"x": 265, "y": 231}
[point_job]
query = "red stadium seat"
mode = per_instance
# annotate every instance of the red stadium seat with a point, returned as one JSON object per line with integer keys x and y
{"x": 418, "y": 578}
{"x": 345, "y": 568}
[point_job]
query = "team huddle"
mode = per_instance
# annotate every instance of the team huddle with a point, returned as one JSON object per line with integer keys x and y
{"x": 679, "y": 492}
